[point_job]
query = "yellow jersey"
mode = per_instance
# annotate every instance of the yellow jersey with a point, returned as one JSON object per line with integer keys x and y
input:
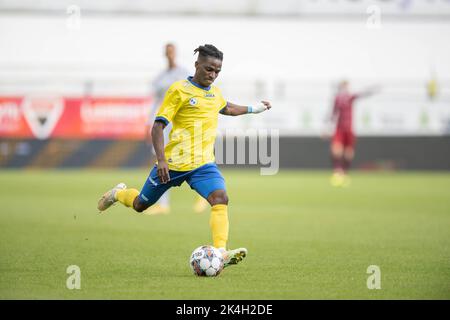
{"x": 193, "y": 111}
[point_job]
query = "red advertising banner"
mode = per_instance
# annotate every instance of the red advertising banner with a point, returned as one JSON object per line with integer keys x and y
{"x": 80, "y": 118}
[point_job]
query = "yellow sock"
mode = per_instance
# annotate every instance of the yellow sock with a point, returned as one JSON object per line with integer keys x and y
{"x": 126, "y": 196}
{"x": 219, "y": 225}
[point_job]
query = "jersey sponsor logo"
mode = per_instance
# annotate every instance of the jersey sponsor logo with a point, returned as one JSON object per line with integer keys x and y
{"x": 209, "y": 95}
{"x": 193, "y": 101}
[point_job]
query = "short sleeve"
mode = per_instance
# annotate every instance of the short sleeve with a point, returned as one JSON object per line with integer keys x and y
{"x": 170, "y": 105}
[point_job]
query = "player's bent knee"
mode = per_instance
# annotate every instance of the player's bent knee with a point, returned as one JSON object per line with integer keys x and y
{"x": 349, "y": 153}
{"x": 138, "y": 205}
{"x": 218, "y": 197}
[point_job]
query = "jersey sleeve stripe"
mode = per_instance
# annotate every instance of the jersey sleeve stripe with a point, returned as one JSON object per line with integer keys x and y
{"x": 223, "y": 108}
{"x": 162, "y": 119}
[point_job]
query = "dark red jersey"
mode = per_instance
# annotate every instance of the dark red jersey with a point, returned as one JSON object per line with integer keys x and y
{"x": 343, "y": 110}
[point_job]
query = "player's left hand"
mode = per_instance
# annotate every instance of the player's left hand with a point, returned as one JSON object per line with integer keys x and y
{"x": 265, "y": 105}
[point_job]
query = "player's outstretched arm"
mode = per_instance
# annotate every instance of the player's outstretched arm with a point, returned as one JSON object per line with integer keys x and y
{"x": 232, "y": 109}
{"x": 369, "y": 92}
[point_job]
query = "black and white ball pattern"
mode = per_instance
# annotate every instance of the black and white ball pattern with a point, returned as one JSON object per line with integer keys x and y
{"x": 206, "y": 261}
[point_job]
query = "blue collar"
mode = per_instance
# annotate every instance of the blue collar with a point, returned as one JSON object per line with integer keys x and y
{"x": 197, "y": 85}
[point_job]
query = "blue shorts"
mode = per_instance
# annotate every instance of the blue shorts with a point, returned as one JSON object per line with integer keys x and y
{"x": 204, "y": 180}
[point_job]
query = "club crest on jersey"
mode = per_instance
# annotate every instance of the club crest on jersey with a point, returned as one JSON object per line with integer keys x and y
{"x": 193, "y": 101}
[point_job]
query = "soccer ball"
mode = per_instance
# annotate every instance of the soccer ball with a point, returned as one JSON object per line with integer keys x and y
{"x": 206, "y": 261}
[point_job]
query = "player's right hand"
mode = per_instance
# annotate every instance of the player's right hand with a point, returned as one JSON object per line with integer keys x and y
{"x": 325, "y": 135}
{"x": 162, "y": 170}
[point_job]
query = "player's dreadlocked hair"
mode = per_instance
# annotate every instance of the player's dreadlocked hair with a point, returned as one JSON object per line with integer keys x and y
{"x": 209, "y": 50}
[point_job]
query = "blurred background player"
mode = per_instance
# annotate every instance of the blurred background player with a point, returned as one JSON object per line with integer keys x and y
{"x": 343, "y": 140}
{"x": 432, "y": 87}
{"x": 162, "y": 82}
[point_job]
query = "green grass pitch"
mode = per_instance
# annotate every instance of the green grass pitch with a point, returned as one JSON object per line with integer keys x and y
{"x": 306, "y": 239}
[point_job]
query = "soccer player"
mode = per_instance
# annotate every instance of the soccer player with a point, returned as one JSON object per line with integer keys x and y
{"x": 343, "y": 141}
{"x": 162, "y": 82}
{"x": 192, "y": 106}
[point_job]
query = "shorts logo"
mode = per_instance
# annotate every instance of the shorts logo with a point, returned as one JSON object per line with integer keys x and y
{"x": 153, "y": 183}
{"x": 192, "y": 101}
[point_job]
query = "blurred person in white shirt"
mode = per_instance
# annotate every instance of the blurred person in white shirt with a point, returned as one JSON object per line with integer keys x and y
{"x": 162, "y": 82}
